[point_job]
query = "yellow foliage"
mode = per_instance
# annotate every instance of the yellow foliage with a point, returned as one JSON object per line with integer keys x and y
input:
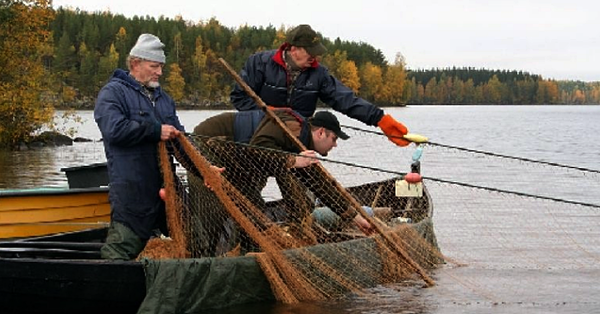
{"x": 372, "y": 82}
{"x": 24, "y": 36}
{"x": 122, "y": 33}
{"x": 492, "y": 90}
{"x": 199, "y": 58}
{"x": 279, "y": 37}
{"x": 68, "y": 94}
{"x": 348, "y": 75}
{"x": 343, "y": 69}
{"x": 578, "y": 97}
{"x": 394, "y": 83}
{"x": 175, "y": 82}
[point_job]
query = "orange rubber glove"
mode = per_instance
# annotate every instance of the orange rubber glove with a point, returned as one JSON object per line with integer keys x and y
{"x": 394, "y": 130}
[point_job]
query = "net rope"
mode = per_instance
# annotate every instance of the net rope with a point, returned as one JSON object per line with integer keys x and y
{"x": 509, "y": 219}
{"x": 306, "y": 243}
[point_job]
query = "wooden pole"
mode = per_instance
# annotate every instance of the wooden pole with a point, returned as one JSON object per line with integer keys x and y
{"x": 354, "y": 203}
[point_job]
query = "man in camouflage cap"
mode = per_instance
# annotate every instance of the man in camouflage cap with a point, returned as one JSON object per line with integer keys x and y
{"x": 304, "y": 37}
{"x": 291, "y": 77}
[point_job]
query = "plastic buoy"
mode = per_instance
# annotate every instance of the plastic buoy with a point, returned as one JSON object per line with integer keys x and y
{"x": 412, "y": 177}
{"x": 416, "y": 138}
{"x": 417, "y": 154}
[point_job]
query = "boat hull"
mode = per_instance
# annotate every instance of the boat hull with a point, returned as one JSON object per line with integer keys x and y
{"x": 38, "y": 212}
{"x": 70, "y": 286}
{"x": 64, "y": 273}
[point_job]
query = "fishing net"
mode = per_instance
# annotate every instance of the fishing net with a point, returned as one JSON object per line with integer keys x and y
{"x": 517, "y": 234}
{"x": 299, "y": 223}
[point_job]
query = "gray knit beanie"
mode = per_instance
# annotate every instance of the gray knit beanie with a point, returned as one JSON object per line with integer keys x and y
{"x": 148, "y": 47}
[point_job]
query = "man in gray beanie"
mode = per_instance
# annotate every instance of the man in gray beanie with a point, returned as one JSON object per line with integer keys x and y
{"x": 149, "y": 47}
{"x": 134, "y": 114}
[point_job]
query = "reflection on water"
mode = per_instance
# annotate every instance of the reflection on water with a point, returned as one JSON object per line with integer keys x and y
{"x": 41, "y": 167}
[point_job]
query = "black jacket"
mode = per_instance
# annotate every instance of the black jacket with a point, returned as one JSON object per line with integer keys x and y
{"x": 266, "y": 74}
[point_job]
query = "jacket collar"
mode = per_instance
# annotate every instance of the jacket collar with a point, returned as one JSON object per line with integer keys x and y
{"x": 127, "y": 79}
{"x": 278, "y": 57}
{"x": 124, "y": 76}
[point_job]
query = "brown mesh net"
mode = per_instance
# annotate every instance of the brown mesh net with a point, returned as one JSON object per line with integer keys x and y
{"x": 297, "y": 222}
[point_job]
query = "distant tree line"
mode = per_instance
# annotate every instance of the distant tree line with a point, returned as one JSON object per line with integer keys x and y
{"x": 89, "y": 46}
{"x": 495, "y": 87}
{"x": 61, "y": 58}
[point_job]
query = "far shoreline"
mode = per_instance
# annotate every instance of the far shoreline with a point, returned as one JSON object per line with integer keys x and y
{"x": 190, "y": 108}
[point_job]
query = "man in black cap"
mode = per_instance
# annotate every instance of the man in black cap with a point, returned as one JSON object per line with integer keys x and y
{"x": 319, "y": 134}
{"x": 291, "y": 77}
{"x": 248, "y": 170}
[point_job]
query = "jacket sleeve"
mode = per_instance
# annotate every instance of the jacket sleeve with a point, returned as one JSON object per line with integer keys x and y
{"x": 270, "y": 135}
{"x": 253, "y": 74}
{"x": 114, "y": 121}
{"x": 342, "y": 99}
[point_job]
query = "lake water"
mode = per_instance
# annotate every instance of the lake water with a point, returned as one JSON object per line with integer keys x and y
{"x": 563, "y": 134}
{"x": 516, "y": 254}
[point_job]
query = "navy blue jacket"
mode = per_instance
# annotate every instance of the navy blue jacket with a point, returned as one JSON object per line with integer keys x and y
{"x": 131, "y": 126}
{"x": 266, "y": 74}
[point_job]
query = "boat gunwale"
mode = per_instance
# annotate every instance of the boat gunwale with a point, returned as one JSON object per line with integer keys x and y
{"x": 52, "y": 191}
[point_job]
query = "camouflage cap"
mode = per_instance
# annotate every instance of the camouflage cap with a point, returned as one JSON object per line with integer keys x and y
{"x": 304, "y": 36}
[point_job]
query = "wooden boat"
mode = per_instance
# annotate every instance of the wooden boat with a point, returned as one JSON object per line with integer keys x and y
{"x": 44, "y": 211}
{"x": 64, "y": 273}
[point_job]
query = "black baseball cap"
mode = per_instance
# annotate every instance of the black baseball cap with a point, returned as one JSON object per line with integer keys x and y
{"x": 304, "y": 36}
{"x": 327, "y": 120}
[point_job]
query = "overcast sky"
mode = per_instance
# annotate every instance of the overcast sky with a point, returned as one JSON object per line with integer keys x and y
{"x": 554, "y": 38}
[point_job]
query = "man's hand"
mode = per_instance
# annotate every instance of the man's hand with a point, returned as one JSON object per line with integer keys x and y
{"x": 217, "y": 171}
{"x": 168, "y": 132}
{"x": 310, "y": 159}
{"x": 394, "y": 130}
{"x": 363, "y": 225}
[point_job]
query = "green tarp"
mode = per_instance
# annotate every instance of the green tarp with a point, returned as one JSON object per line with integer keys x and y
{"x": 191, "y": 285}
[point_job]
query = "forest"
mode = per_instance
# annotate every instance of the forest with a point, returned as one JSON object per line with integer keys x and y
{"x": 89, "y": 46}
{"x": 60, "y": 58}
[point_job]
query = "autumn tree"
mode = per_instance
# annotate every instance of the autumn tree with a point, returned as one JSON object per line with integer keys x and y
{"x": 121, "y": 40}
{"x": 343, "y": 69}
{"x": 23, "y": 37}
{"x": 394, "y": 82}
{"x": 175, "y": 82}
{"x": 492, "y": 90}
{"x": 431, "y": 91}
{"x": 371, "y": 78}
{"x": 578, "y": 97}
{"x": 334, "y": 60}
{"x": 199, "y": 69}
{"x": 348, "y": 75}
{"x": 279, "y": 37}
{"x": 547, "y": 92}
